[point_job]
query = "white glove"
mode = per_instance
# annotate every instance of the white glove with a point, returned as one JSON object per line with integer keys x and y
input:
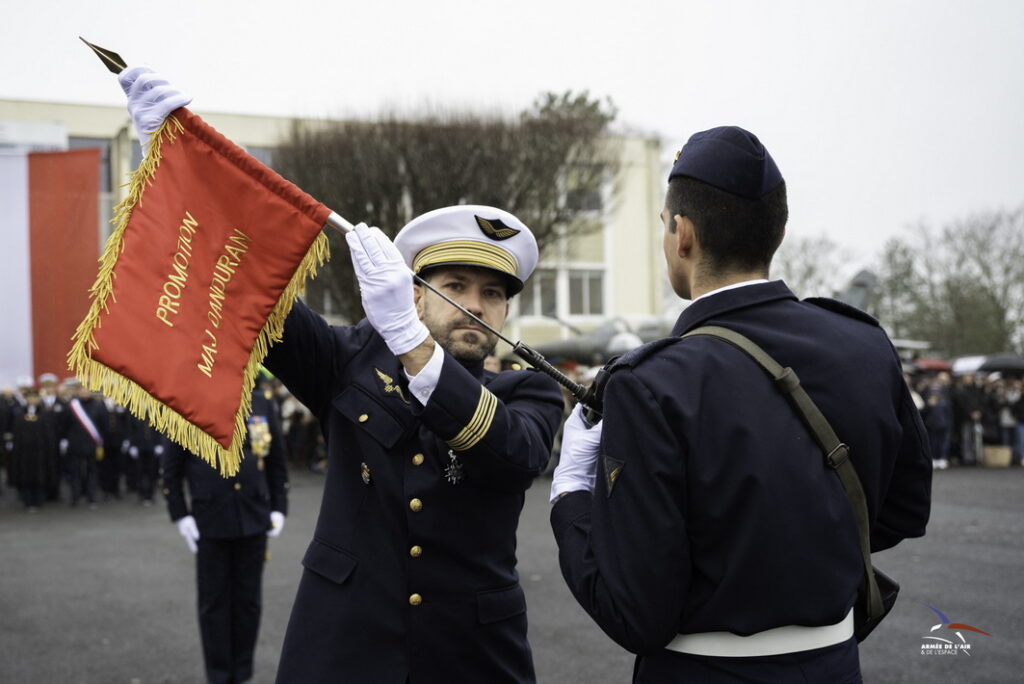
{"x": 188, "y": 530}
{"x": 577, "y": 465}
{"x": 133, "y": 452}
{"x": 276, "y": 524}
{"x": 385, "y": 285}
{"x": 151, "y": 98}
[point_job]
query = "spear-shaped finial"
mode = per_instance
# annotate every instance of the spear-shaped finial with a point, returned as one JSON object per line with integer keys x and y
{"x": 113, "y": 60}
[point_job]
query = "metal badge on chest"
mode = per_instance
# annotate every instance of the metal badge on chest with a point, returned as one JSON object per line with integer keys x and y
{"x": 453, "y": 471}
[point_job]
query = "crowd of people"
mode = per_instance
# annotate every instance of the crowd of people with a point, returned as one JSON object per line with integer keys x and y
{"x": 65, "y": 443}
{"x": 966, "y": 413}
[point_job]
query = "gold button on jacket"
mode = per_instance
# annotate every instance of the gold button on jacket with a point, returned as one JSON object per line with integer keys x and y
{"x": 415, "y": 600}
{"x": 416, "y": 505}
{"x": 417, "y": 459}
{"x": 416, "y": 551}
{"x": 238, "y": 486}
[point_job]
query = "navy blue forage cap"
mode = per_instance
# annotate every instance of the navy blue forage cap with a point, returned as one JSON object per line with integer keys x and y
{"x": 730, "y": 159}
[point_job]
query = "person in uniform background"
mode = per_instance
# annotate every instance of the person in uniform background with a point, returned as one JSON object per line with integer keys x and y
{"x": 411, "y": 572}
{"x": 226, "y": 522}
{"x": 115, "y": 449}
{"x": 8, "y": 410}
{"x": 698, "y": 523}
{"x": 31, "y": 469}
{"x": 54, "y": 419}
{"x": 146, "y": 445}
{"x": 938, "y": 419}
{"x": 81, "y": 442}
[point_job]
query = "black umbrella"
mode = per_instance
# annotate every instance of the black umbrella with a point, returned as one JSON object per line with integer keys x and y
{"x": 1004, "y": 363}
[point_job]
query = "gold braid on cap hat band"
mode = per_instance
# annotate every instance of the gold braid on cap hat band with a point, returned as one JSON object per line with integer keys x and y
{"x": 467, "y": 252}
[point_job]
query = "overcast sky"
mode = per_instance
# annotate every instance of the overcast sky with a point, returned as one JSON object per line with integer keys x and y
{"x": 879, "y": 114}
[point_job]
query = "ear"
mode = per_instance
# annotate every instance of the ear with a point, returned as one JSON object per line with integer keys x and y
{"x": 686, "y": 237}
{"x": 417, "y": 299}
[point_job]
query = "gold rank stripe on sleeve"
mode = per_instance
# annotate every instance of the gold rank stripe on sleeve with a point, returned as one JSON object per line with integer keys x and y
{"x": 478, "y": 425}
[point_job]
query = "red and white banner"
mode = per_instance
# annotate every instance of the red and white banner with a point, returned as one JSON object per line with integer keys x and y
{"x": 50, "y": 228}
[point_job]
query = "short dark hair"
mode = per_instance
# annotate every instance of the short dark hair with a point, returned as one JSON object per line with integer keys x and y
{"x": 734, "y": 232}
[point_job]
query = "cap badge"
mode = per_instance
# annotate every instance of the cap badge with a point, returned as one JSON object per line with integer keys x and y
{"x": 389, "y": 385}
{"x": 678, "y": 154}
{"x": 495, "y": 229}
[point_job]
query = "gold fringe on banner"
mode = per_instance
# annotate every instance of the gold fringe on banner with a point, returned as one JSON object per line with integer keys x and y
{"x": 127, "y": 392}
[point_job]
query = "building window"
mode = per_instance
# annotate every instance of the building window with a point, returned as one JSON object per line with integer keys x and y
{"x": 538, "y": 297}
{"x": 583, "y": 185}
{"x": 586, "y": 292}
{"x": 264, "y": 155}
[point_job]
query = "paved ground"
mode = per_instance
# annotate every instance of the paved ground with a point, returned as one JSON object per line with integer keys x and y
{"x": 107, "y": 596}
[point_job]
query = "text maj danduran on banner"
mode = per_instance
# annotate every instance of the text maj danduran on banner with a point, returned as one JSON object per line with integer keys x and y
{"x": 208, "y": 254}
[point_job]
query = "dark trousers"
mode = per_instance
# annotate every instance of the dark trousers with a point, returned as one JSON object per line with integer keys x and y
{"x": 34, "y": 496}
{"x": 229, "y": 575}
{"x": 145, "y": 475}
{"x": 82, "y": 475}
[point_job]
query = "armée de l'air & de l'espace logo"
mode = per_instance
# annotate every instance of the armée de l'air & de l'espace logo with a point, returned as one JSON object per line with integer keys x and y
{"x": 947, "y": 638}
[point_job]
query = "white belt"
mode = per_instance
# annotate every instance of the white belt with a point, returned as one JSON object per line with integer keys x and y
{"x": 776, "y": 641}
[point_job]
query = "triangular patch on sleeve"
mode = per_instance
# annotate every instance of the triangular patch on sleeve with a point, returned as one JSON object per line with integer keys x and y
{"x": 612, "y": 469}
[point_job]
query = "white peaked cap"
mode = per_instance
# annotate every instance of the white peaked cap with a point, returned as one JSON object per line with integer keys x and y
{"x": 470, "y": 235}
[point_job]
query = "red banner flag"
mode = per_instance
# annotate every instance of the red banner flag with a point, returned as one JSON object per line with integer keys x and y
{"x": 209, "y": 252}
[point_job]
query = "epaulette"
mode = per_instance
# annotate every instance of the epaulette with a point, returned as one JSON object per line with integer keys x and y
{"x": 633, "y": 357}
{"x": 842, "y": 308}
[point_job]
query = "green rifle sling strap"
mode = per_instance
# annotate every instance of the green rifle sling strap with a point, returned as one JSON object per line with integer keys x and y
{"x": 837, "y": 454}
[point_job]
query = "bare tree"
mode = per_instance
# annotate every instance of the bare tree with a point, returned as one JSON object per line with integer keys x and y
{"x": 810, "y": 266}
{"x": 961, "y": 287}
{"x": 537, "y": 165}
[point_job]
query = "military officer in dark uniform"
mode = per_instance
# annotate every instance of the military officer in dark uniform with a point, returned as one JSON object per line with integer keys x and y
{"x": 54, "y": 418}
{"x": 226, "y": 524}
{"x": 411, "y": 574}
{"x": 698, "y": 523}
{"x": 146, "y": 446}
{"x": 82, "y": 442}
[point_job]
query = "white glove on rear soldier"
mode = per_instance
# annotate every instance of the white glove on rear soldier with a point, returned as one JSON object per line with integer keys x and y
{"x": 187, "y": 529}
{"x": 151, "y": 98}
{"x": 577, "y": 464}
{"x": 385, "y": 286}
{"x": 276, "y": 524}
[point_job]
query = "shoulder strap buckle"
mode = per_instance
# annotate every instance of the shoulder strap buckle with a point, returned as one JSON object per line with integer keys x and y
{"x": 838, "y": 456}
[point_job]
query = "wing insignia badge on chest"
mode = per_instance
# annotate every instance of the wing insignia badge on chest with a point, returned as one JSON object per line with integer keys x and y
{"x": 389, "y": 385}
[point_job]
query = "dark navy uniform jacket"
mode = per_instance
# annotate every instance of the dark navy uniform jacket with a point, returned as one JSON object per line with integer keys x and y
{"x": 722, "y": 515}
{"x": 411, "y": 573}
{"x": 237, "y": 506}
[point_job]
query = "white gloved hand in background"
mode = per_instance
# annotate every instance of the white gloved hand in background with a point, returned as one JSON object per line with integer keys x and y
{"x": 188, "y": 530}
{"x": 385, "y": 286}
{"x": 276, "y": 524}
{"x": 577, "y": 465}
{"x": 151, "y": 98}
